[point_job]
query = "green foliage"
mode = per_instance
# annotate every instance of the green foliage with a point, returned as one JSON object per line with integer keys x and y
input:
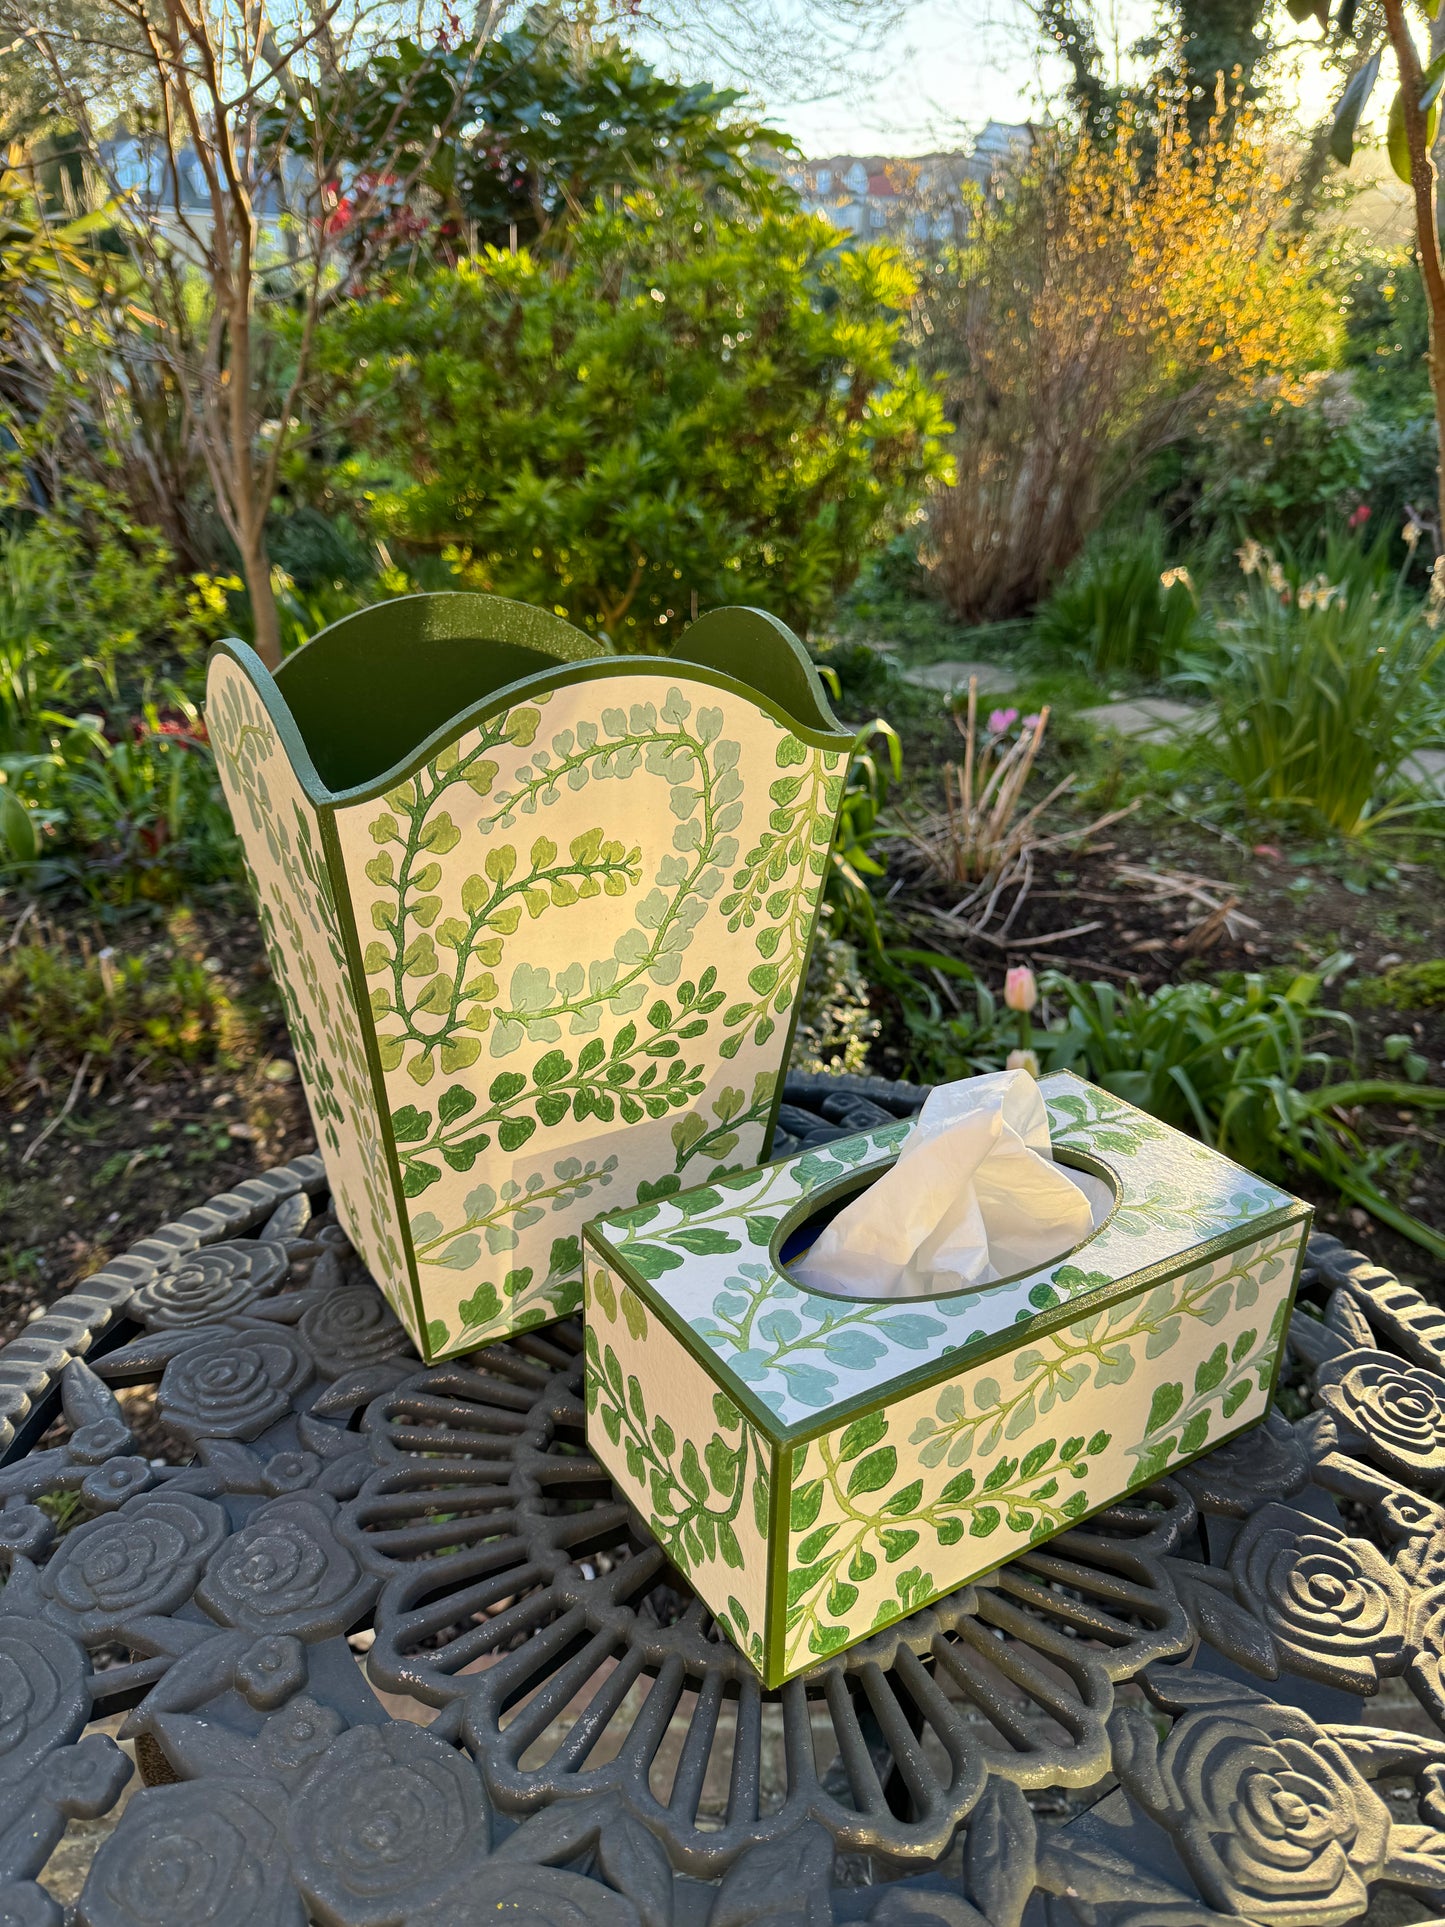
{"x": 318, "y": 551}
{"x": 1203, "y": 1057}
{"x": 541, "y": 120}
{"x": 1241, "y": 1065}
{"x": 61, "y": 1005}
{"x": 92, "y": 610}
{"x": 875, "y": 762}
{"x": 1415, "y": 986}
{"x": 1122, "y": 608}
{"x": 124, "y": 816}
{"x": 1280, "y": 458}
{"x": 1325, "y": 691}
{"x": 1386, "y": 328}
{"x": 44, "y": 291}
{"x": 836, "y": 1023}
{"x": 694, "y": 405}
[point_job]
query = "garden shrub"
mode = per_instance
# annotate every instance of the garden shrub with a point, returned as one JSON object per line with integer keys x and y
{"x": 543, "y": 119}
{"x": 1122, "y": 608}
{"x": 1325, "y": 690}
{"x": 1098, "y": 309}
{"x": 93, "y": 611}
{"x": 1281, "y": 457}
{"x": 692, "y": 408}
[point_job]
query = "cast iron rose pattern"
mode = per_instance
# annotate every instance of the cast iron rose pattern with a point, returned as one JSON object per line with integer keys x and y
{"x": 392, "y": 1652}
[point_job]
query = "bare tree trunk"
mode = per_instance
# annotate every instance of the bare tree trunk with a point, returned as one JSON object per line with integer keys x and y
{"x": 1427, "y": 231}
{"x": 256, "y": 568}
{"x": 229, "y": 83}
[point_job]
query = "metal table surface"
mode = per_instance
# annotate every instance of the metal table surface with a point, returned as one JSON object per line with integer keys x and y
{"x": 345, "y": 1639}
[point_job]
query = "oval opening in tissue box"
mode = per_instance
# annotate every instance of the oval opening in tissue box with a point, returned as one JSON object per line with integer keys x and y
{"x": 797, "y": 1233}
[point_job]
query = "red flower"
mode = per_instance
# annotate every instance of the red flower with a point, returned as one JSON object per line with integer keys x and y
{"x": 1360, "y": 516}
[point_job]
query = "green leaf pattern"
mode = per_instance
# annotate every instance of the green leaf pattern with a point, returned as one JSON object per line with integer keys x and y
{"x": 1017, "y": 1448}
{"x": 298, "y": 916}
{"x": 696, "y": 1469}
{"x": 801, "y": 1352}
{"x": 584, "y": 912}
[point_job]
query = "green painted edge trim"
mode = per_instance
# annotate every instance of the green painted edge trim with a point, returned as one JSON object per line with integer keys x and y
{"x": 751, "y": 637}
{"x": 351, "y": 938}
{"x": 780, "y": 1513}
{"x": 949, "y": 1363}
{"x": 278, "y": 711}
{"x": 1293, "y": 1293}
{"x": 741, "y": 1395}
{"x": 544, "y": 681}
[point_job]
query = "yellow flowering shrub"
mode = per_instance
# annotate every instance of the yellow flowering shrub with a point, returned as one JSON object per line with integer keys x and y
{"x": 1102, "y": 303}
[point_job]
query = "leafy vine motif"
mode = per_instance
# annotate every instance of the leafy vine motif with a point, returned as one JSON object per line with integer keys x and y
{"x": 695, "y": 1496}
{"x": 1016, "y": 1469}
{"x": 1104, "y": 1351}
{"x": 443, "y": 990}
{"x": 296, "y": 907}
{"x": 875, "y": 1521}
{"x": 780, "y": 879}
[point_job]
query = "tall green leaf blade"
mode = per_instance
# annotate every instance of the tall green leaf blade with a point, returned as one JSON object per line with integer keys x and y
{"x": 1351, "y": 105}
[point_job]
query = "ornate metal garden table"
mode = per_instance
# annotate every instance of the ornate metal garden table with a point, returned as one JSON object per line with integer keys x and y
{"x": 349, "y": 1640}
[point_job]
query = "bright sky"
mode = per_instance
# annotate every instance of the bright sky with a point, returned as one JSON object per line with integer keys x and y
{"x": 953, "y": 64}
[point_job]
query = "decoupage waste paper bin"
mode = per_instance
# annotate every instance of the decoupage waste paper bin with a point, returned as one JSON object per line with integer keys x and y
{"x": 540, "y": 916}
{"x": 818, "y": 1466}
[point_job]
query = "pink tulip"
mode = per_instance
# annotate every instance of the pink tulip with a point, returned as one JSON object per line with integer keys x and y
{"x": 1001, "y": 720}
{"x": 1360, "y": 516}
{"x": 1020, "y": 988}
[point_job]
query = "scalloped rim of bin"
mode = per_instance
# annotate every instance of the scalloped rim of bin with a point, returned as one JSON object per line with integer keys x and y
{"x": 766, "y": 664}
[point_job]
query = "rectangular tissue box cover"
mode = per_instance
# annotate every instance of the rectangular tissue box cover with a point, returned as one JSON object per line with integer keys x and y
{"x": 818, "y": 1466}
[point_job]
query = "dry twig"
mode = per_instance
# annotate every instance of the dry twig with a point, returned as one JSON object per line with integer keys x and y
{"x": 1218, "y": 903}
{"x": 60, "y": 1116}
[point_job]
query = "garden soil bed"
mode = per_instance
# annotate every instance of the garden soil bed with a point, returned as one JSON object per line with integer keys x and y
{"x": 1286, "y": 914}
{"x": 142, "y": 1145}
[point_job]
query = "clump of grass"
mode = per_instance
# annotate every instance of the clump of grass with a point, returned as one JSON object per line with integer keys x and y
{"x": 66, "y": 1004}
{"x": 984, "y": 841}
{"x": 1122, "y": 609}
{"x": 1325, "y": 691}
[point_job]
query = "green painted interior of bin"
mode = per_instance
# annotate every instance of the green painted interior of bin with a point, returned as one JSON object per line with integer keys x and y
{"x": 369, "y": 689}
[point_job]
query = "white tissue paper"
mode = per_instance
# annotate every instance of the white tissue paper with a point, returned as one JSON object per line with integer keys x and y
{"x": 974, "y": 1196}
